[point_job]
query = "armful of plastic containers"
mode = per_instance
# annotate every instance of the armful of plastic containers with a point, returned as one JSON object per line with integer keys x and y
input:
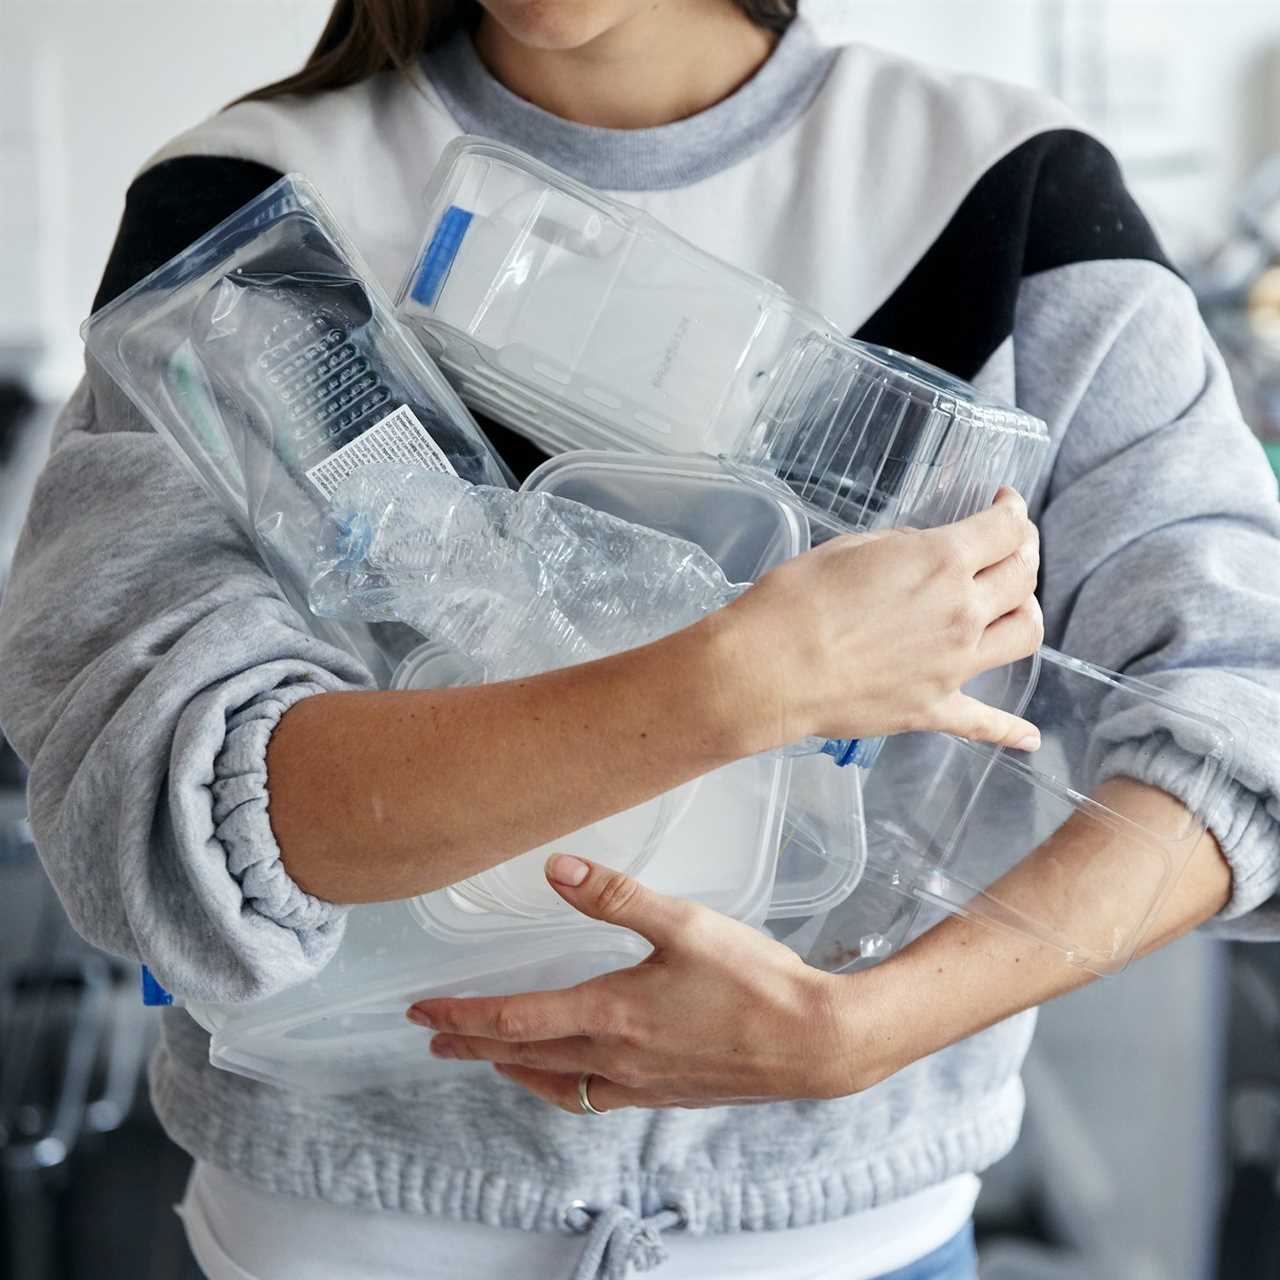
{"x": 276, "y": 369}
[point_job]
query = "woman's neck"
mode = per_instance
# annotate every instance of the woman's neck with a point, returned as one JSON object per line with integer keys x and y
{"x": 663, "y": 64}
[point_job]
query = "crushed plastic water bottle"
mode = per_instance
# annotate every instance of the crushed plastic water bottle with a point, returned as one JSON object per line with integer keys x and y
{"x": 518, "y": 583}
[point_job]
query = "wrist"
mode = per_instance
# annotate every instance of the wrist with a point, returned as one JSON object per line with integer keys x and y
{"x": 746, "y": 701}
{"x": 870, "y": 1034}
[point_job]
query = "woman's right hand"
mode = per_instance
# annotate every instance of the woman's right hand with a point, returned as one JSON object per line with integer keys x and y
{"x": 874, "y": 634}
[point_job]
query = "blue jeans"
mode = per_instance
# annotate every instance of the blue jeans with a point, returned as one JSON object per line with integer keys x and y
{"x": 956, "y": 1260}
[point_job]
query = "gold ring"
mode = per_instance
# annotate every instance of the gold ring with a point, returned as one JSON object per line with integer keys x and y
{"x": 584, "y": 1099}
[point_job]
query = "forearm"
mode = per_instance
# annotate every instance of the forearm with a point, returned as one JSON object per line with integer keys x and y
{"x": 377, "y": 796}
{"x": 963, "y": 977}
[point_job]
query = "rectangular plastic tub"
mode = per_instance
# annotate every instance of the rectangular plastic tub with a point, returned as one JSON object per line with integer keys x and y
{"x": 955, "y": 827}
{"x": 270, "y": 361}
{"x": 748, "y": 532}
{"x": 584, "y": 323}
{"x": 581, "y": 321}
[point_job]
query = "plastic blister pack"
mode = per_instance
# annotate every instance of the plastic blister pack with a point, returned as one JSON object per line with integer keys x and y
{"x": 275, "y": 367}
{"x": 584, "y": 323}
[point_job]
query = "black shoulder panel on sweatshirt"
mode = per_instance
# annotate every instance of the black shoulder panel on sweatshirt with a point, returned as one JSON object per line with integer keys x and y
{"x": 171, "y": 205}
{"x": 1056, "y": 200}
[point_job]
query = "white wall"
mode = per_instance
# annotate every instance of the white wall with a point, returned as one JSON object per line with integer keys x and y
{"x": 89, "y": 88}
{"x": 1194, "y": 85}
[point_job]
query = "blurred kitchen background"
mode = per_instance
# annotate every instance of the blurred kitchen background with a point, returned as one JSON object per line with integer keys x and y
{"x": 1153, "y": 1098}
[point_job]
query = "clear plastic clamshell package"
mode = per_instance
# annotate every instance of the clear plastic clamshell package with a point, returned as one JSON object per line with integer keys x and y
{"x": 274, "y": 365}
{"x": 1033, "y": 843}
{"x": 582, "y": 322}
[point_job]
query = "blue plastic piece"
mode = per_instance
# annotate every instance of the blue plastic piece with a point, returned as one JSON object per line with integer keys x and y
{"x": 153, "y": 994}
{"x": 440, "y": 254}
{"x": 846, "y": 751}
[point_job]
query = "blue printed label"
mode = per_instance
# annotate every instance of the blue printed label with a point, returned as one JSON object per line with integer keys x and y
{"x": 440, "y": 254}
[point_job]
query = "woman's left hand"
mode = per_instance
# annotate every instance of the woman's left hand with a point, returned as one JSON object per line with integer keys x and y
{"x": 717, "y": 1014}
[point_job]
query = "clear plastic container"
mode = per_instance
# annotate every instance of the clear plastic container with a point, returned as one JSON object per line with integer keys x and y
{"x": 956, "y": 827}
{"x": 584, "y": 323}
{"x": 581, "y": 321}
{"x": 866, "y": 438}
{"x": 626, "y": 840}
{"x": 273, "y": 364}
{"x": 346, "y": 1029}
{"x": 748, "y": 532}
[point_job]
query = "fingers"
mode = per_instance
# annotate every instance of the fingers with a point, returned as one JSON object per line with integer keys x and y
{"x": 571, "y": 1056}
{"x": 990, "y": 536}
{"x": 966, "y": 717}
{"x": 611, "y": 896}
{"x": 561, "y": 1090}
{"x": 1007, "y": 585}
{"x": 1013, "y": 637}
{"x": 539, "y": 1015}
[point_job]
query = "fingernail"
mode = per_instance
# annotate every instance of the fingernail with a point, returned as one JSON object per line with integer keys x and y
{"x": 420, "y": 1016}
{"x": 564, "y": 868}
{"x": 443, "y": 1048}
{"x": 1030, "y": 743}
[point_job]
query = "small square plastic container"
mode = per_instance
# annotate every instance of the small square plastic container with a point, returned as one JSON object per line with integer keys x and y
{"x": 584, "y": 323}
{"x": 747, "y": 532}
{"x": 271, "y": 362}
{"x": 1035, "y": 843}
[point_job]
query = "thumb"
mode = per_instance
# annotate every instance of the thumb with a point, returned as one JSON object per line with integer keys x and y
{"x": 617, "y": 898}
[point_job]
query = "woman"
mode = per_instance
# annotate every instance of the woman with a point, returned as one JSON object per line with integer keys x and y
{"x": 965, "y": 222}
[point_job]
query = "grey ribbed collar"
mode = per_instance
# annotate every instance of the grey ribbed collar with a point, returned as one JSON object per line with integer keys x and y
{"x": 671, "y": 155}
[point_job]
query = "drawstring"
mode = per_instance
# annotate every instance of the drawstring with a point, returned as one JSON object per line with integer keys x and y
{"x": 618, "y": 1241}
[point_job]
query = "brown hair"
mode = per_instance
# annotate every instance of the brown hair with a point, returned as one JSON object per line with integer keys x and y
{"x": 363, "y": 37}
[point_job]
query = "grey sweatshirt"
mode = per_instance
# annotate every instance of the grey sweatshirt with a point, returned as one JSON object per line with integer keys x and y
{"x": 146, "y": 656}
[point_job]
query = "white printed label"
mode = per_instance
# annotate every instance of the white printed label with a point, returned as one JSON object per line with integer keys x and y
{"x": 399, "y": 437}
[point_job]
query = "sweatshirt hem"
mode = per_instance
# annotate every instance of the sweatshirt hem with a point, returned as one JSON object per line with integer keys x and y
{"x": 711, "y": 1204}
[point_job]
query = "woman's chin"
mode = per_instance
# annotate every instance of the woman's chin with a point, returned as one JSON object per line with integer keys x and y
{"x": 560, "y": 24}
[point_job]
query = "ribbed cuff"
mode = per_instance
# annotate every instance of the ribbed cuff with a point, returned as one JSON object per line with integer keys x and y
{"x": 1245, "y": 823}
{"x": 242, "y": 823}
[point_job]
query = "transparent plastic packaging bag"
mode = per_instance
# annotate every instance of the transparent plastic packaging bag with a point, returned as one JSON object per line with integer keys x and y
{"x": 584, "y": 323}
{"x": 274, "y": 365}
